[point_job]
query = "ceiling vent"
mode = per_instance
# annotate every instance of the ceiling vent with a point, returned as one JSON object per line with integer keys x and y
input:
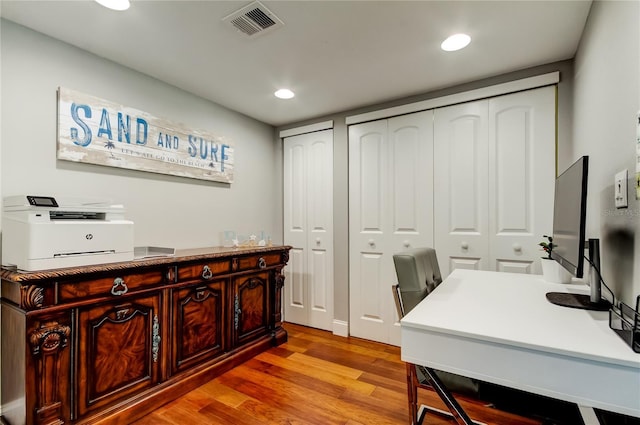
{"x": 254, "y": 20}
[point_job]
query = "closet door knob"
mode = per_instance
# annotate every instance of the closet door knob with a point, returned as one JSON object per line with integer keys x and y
{"x": 406, "y": 244}
{"x": 318, "y": 241}
{"x": 517, "y": 247}
{"x": 464, "y": 245}
{"x": 372, "y": 242}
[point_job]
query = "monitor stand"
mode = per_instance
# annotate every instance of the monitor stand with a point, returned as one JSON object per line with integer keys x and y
{"x": 594, "y": 300}
{"x": 577, "y": 301}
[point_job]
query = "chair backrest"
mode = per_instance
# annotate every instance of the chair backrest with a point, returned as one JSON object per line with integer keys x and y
{"x": 418, "y": 274}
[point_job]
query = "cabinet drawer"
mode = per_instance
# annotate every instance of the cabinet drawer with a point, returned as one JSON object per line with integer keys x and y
{"x": 205, "y": 270}
{"x": 113, "y": 286}
{"x": 255, "y": 262}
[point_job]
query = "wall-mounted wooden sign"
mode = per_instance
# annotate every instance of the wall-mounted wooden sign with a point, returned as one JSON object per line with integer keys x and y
{"x": 97, "y": 131}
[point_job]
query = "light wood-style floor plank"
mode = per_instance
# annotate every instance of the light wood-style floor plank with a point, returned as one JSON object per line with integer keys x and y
{"x": 314, "y": 378}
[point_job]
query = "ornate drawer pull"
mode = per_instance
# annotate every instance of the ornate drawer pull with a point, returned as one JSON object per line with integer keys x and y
{"x": 119, "y": 287}
{"x": 262, "y": 263}
{"x": 155, "y": 342}
{"x": 206, "y": 273}
{"x": 237, "y": 311}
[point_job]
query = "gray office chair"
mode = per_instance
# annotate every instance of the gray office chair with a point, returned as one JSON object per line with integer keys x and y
{"x": 418, "y": 274}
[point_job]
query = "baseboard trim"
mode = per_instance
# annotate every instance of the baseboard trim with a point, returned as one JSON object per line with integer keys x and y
{"x": 341, "y": 328}
{"x": 12, "y": 409}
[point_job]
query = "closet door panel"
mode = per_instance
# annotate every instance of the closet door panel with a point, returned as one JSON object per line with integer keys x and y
{"x": 295, "y": 232}
{"x": 369, "y": 266}
{"x": 461, "y": 180}
{"x": 509, "y": 266}
{"x": 295, "y": 305}
{"x": 320, "y": 194}
{"x": 372, "y": 179}
{"x": 320, "y": 225}
{"x": 308, "y": 222}
{"x": 521, "y": 175}
{"x": 411, "y": 191}
{"x": 295, "y": 183}
{"x": 390, "y": 210}
{"x": 320, "y": 312}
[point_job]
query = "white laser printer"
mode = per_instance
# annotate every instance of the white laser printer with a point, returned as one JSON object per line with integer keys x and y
{"x": 42, "y": 232}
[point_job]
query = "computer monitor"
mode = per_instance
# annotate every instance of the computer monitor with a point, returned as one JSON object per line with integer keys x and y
{"x": 569, "y": 217}
{"x": 569, "y": 223}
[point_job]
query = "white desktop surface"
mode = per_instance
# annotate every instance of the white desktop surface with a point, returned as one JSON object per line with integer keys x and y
{"x": 500, "y": 328}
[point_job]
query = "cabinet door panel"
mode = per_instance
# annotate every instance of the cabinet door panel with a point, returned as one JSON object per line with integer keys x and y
{"x": 118, "y": 353}
{"x": 198, "y": 323}
{"x": 250, "y": 306}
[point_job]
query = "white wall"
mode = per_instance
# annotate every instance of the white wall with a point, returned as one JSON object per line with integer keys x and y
{"x": 606, "y": 100}
{"x": 167, "y": 210}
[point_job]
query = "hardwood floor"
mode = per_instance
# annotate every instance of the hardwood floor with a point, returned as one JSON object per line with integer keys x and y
{"x": 314, "y": 378}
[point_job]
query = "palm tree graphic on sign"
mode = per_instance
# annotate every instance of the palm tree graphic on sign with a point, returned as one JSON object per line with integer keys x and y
{"x": 110, "y": 145}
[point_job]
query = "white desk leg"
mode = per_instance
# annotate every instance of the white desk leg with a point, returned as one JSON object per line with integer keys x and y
{"x": 588, "y": 415}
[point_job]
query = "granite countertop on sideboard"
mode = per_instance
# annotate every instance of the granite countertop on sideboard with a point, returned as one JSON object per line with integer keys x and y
{"x": 180, "y": 256}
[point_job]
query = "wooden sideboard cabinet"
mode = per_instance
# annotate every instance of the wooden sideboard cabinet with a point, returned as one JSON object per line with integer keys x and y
{"x": 110, "y": 343}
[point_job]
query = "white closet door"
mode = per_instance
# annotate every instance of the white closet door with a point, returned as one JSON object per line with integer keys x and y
{"x": 521, "y": 177}
{"x": 411, "y": 180}
{"x": 369, "y": 267}
{"x": 461, "y": 187}
{"x": 308, "y": 228}
{"x": 390, "y": 187}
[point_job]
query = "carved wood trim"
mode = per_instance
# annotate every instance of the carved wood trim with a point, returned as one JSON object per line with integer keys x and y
{"x": 253, "y": 283}
{"x": 31, "y": 297}
{"x": 49, "y": 338}
{"x": 47, "y": 343}
{"x": 279, "y": 280}
{"x": 279, "y": 284}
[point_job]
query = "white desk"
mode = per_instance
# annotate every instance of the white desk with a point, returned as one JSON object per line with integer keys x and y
{"x": 500, "y": 328}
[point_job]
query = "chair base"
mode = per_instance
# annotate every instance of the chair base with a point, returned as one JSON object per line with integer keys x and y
{"x": 456, "y": 412}
{"x": 422, "y": 413}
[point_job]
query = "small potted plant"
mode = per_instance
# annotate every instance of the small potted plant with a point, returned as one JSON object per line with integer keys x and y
{"x": 547, "y": 246}
{"x": 551, "y": 270}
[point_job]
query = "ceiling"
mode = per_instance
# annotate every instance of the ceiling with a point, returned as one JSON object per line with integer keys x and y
{"x": 335, "y": 55}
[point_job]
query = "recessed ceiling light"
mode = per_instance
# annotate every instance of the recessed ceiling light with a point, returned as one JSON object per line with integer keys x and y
{"x": 455, "y": 42}
{"x": 115, "y": 4}
{"x": 284, "y": 94}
